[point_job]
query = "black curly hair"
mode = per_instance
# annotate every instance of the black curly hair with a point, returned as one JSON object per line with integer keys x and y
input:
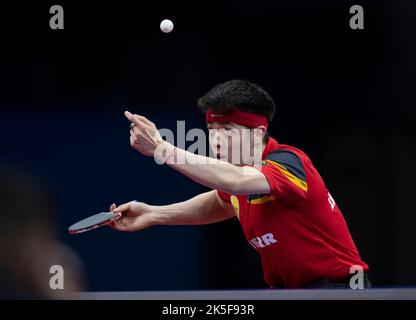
{"x": 239, "y": 94}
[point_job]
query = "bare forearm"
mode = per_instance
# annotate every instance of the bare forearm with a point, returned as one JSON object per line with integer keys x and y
{"x": 207, "y": 171}
{"x": 216, "y": 174}
{"x": 201, "y": 209}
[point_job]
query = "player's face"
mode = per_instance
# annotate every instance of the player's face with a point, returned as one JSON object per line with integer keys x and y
{"x": 231, "y": 142}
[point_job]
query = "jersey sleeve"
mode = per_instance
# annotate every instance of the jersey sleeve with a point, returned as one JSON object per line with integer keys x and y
{"x": 224, "y": 196}
{"x": 286, "y": 175}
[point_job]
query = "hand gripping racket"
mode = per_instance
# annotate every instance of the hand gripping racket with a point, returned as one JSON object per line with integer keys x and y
{"x": 93, "y": 222}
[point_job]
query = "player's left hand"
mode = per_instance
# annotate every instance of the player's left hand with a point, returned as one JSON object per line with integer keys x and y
{"x": 144, "y": 136}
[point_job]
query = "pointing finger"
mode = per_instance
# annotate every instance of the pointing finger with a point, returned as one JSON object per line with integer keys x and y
{"x": 144, "y": 119}
{"x": 132, "y": 118}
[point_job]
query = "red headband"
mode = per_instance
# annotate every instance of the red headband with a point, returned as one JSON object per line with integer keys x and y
{"x": 243, "y": 118}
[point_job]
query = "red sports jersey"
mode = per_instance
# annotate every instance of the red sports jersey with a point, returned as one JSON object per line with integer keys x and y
{"x": 297, "y": 228}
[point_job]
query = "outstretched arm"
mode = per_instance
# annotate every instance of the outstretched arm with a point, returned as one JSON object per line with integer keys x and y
{"x": 209, "y": 172}
{"x": 204, "y": 208}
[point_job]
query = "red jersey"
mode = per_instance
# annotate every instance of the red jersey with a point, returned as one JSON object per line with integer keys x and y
{"x": 298, "y": 229}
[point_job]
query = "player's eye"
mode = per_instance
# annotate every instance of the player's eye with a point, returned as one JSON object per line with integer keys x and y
{"x": 212, "y": 132}
{"x": 231, "y": 130}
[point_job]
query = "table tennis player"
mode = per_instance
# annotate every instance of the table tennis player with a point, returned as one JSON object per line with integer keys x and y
{"x": 285, "y": 210}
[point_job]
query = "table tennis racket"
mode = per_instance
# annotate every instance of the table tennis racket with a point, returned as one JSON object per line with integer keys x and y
{"x": 93, "y": 222}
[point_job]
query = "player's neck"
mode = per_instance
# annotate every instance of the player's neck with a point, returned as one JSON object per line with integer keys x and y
{"x": 263, "y": 147}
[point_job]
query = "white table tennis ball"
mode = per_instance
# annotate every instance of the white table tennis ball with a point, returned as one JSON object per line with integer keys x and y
{"x": 166, "y": 26}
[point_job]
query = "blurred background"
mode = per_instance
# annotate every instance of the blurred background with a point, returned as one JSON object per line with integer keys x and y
{"x": 345, "y": 97}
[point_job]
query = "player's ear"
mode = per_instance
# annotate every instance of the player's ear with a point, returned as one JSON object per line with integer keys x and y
{"x": 263, "y": 129}
{"x": 260, "y": 132}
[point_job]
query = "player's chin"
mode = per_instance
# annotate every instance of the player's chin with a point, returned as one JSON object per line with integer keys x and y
{"x": 221, "y": 158}
{"x": 225, "y": 159}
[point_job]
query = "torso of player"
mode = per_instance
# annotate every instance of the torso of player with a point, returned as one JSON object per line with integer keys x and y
{"x": 300, "y": 237}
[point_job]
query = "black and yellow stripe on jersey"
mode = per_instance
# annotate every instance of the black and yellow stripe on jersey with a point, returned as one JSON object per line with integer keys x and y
{"x": 290, "y": 166}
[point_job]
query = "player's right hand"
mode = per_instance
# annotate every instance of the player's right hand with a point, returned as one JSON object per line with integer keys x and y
{"x": 136, "y": 216}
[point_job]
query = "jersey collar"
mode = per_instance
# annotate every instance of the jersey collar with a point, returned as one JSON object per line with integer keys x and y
{"x": 271, "y": 146}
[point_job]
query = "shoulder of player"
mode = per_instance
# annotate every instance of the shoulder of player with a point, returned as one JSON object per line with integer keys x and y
{"x": 290, "y": 158}
{"x": 296, "y": 151}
